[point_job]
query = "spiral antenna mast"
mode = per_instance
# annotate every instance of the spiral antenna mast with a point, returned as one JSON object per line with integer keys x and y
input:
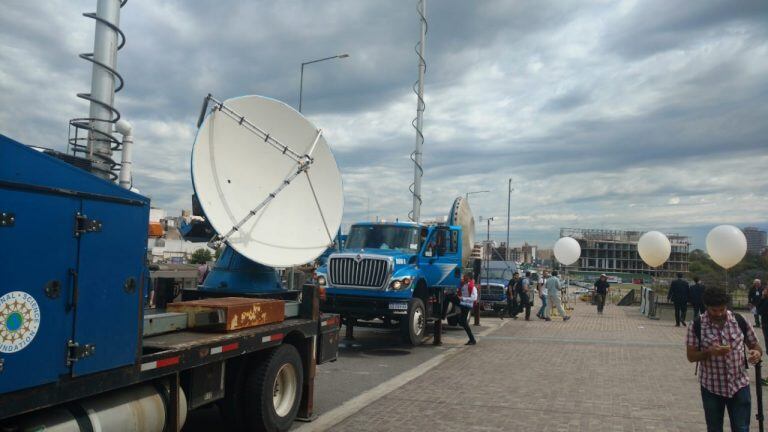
{"x": 417, "y": 123}
{"x": 93, "y": 135}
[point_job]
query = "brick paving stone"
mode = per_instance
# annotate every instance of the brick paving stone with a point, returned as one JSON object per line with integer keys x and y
{"x": 614, "y": 372}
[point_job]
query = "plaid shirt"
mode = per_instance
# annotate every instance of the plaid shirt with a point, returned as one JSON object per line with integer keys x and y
{"x": 723, "y": 375}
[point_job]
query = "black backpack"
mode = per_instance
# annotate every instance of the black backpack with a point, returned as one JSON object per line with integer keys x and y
{"x": 742, "y": 325}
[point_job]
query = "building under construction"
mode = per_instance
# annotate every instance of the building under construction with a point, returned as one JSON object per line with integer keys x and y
{"x": 616, "y": 252}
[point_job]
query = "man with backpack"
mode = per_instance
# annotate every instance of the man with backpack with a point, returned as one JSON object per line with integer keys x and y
{"x": 523, "y": 290}
{"x": 716, "y": 341}
{"x": 512, "y": 298}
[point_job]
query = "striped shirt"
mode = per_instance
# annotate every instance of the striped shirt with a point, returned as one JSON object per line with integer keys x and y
{"x": 723, "y": 375}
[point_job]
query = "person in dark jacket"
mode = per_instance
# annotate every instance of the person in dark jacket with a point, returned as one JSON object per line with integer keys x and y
{"x": 512, "y": 304}
{"x": 601, "y": 291}
{"x": 754, "y": 297}
{"x": 678, "y": 294}
{"x": 695, "y": 296}
{"x": 762, "y": 309}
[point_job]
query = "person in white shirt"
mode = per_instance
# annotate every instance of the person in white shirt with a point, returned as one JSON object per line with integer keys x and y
{"x": 467, "y": 297}
{"x": 553, "y": 286}
{"x": 543, "y": 311}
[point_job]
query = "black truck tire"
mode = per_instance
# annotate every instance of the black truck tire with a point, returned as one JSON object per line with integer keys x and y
{"x": 453, "y": 317}
{"x": 272, "y": 391}
{"x": 414, "y": 325}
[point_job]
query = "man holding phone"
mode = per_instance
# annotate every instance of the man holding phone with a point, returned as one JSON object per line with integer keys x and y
{"x": 717, "y": 343}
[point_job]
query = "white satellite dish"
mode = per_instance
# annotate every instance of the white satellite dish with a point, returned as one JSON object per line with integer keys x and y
{"x": 267, "y": 181}
{"x": 461, "y": 215}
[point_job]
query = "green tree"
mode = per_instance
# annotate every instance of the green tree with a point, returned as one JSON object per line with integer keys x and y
{"x": 200, "y": 256}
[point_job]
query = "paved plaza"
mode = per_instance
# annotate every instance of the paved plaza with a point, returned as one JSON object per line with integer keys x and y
{"x": 615, "y": 372}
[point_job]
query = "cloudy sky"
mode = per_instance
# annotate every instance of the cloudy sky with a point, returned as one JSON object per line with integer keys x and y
{"x": 606, "y": 114}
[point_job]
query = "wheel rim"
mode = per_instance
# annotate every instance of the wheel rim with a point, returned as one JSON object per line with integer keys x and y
{"x": 418, "y": 321}
{"x": 284, "y": 389}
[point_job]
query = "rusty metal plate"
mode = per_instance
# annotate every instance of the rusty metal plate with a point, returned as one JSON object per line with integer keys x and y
{"x": 230, "y": 313}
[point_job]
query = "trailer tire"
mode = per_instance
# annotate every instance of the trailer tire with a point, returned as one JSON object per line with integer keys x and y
{"x": 414, "y": 325}
{"x": 272, "y": 391}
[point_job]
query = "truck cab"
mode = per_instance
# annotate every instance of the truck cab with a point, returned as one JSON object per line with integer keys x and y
{"x": 397, "y": 272}
{"x": 494, "y": 280}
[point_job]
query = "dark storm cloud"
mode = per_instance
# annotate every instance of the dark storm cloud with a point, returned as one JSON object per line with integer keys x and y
{"x": 586, "y": 104}
{"x": 657, "y": 25}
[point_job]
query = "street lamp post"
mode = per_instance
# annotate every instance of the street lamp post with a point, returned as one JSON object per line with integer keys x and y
{"x": 466, "y": 195}
{"x": 487, "y": 257}
{"x": 301, "y": 80}
{"x": 509, "y": 203}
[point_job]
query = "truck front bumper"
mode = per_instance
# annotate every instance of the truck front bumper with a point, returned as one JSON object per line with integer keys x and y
{"x": 362, "y": 307}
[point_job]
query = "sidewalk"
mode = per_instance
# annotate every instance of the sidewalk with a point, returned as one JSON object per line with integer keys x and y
{"x": 615, "y": 372}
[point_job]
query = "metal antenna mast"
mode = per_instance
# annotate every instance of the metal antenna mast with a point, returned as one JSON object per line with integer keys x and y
{"x": 417, "y": 123}
{"x": 100, "y": 142}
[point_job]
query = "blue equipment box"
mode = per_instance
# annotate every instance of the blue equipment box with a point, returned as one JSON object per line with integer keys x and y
{"x": 72, "y": 266}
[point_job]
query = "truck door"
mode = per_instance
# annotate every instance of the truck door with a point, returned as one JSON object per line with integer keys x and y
{"x": 35, "y": 312}
{"x": 109, "y": 299}
{"x": 440, "y": 258}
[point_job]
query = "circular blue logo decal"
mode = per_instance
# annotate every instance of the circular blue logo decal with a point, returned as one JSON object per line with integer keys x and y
{"x": 19, "y": 321}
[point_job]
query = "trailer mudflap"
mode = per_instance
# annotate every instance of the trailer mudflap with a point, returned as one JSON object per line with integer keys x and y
{"x": 328, "y": 338}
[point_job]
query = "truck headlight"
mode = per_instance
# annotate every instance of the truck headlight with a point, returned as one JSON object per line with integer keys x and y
{"x": 321, "y": 280}
{"x": 400, "y": 284}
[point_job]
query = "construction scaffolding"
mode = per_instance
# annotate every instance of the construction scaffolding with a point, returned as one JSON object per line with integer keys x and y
{"x": 616, "y": 251}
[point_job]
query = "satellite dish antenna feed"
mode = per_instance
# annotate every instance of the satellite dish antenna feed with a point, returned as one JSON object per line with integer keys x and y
{"x": 461, "y": 215}
{"x": 267, "y": 181}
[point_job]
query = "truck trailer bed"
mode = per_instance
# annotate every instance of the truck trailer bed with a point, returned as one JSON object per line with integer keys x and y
{"x": 166, "y": 354}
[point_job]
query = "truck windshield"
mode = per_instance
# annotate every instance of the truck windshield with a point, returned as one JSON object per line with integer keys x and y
{"x": 497, "y": 273}
{"x": 383, "y": 237}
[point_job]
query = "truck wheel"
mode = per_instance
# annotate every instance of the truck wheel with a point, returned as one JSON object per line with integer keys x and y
{"x": 415, "y": 324}
{"x": 272, "y": 391}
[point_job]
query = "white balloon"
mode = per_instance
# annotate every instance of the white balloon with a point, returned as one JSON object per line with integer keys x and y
{"x": 654, "y": 248}
{"x": 726, "y": 245}
{"x": 567, "y": 250}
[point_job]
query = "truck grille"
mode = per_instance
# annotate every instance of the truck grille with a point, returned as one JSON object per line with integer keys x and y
{"x": 363, "y": 272}
{"x": 491, "y": 292}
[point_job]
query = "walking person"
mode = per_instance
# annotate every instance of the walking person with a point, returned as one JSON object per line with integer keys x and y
{"x": 601, "y": 291}
{"x": 754, "y": 296}
{"x": 717, "y": 342}
{"x": 467, "y": 297}
{"x": 697, "y": 289}
{"x": 678, "y": 294}
{"x": 512, "y": 301}
{"x": 553, "y": 295}
{"x": 542, "y": 291}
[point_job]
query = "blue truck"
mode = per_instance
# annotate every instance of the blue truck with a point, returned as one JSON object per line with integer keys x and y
{"x": 77, "y": 349}
{"x": 494, "y": 280}
{"x": 398, "y": 272}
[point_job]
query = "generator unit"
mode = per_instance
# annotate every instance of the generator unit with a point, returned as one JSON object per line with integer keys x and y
{"x": 73, "y": 260}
